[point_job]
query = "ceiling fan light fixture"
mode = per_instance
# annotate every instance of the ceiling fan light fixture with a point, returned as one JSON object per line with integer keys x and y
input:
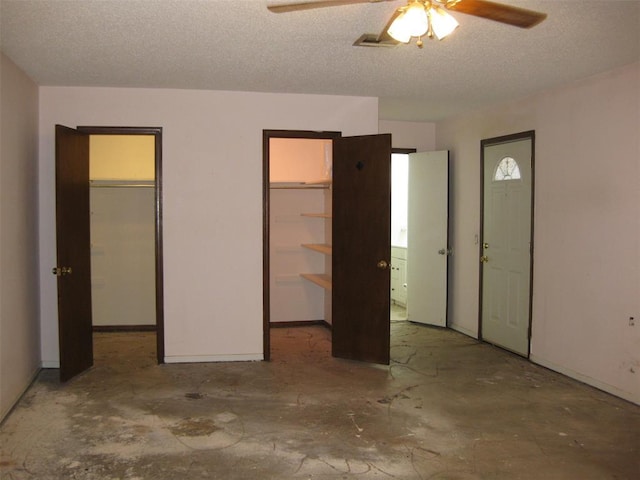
{"x": 426, "y": 17}
{"x": 419, "y": 18}
{"x": 413, "y": 21}
{"x": 442, "y": 23}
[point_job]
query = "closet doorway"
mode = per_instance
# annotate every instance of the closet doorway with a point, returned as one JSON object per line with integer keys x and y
{"x": 352, "y": 252}
{"x": 122, "y": 181}
{"x": 122, "y": 218}
{"x": 297, "y": 208}
{"x": 124, "y": 198}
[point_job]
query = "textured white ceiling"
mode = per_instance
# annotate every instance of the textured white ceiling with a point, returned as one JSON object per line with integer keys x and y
{"x": 240, "y": 45}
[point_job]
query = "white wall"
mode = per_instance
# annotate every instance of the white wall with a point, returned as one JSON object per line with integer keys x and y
{"x": 19, "y": 329}
{"x": 418, "y": 135}
{"x": 212, "y": 201}
{"x": 587, "y": 224}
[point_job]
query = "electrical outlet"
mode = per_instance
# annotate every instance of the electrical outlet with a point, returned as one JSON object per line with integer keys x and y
{"x": 632, "y": 322}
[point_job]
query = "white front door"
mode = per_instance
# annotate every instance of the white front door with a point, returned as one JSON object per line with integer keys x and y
{"x": 506, "y": 242}
{"x": 427, "y": 238}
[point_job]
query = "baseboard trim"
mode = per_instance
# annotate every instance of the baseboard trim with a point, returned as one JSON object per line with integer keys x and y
{"x": 249, "y": 357}
{"x": 123, "y": 328}
{"x": 300, "y": 323}
{"x": 464, "y": 331}
{"x": 605, "y": 387}
{"x": 5, "y": 414}
{"x": 51, "y": 364}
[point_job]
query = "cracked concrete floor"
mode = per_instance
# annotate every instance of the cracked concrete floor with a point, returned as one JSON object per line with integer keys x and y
{"x": 447, "y": 407}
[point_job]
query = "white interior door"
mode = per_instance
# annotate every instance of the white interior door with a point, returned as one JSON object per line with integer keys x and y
{"x": 427, "y": 238}
{"x": 506, "y": 248}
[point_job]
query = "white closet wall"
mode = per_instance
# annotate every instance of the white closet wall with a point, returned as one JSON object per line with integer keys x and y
{"x": 123, "y": 255}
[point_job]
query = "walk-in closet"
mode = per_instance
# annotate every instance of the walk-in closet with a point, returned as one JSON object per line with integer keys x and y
{"x": 300, "y": 230}
{"x": 122, "y": 180}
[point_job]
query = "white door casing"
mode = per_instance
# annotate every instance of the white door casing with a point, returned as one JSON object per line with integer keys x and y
{"x": 506, "y": 243}
{"x": 427, "y": 238}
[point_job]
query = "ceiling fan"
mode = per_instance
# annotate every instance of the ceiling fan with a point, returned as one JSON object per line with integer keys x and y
{"x": 429, "y": 18}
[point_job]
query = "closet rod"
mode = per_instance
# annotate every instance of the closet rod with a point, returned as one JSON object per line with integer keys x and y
{"x": 120, "y": 184}
{"x": 300, "y": 187}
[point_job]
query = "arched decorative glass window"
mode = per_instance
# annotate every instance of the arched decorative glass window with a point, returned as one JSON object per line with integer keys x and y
{"x": 507, "y": 169}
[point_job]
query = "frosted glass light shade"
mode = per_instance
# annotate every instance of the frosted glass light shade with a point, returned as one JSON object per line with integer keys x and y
{"x": 416, "y": 21}
{"x": 398, "y": 31}
{"x": 442, "y": 23}
{"x": 413, "y": 22}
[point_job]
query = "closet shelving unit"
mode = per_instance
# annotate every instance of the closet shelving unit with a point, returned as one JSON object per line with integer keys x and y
{"x": 321, "y": 279}
{"x": 318, "y": 247}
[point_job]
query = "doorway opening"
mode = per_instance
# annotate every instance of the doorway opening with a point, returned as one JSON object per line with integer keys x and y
{"x": 297, "y": 230}
{"x": 399, "y": 231}
{"x": 420, "y": 236}
{"x": 126, "y": 232}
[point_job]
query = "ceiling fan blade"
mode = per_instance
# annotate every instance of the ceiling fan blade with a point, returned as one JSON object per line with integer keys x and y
{"x": 293, "y": 7}
{"x": 498, "y": 12}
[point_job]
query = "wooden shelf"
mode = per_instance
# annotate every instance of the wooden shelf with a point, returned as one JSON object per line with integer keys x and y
{"x": 320, "y": 279}
{"x": 317, "y": 215}
{"x": 319, "y": 247}
{"x": 322, "y": 181}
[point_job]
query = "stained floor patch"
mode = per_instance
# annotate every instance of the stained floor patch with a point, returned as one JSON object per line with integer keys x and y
{"x": 194, "y": 427}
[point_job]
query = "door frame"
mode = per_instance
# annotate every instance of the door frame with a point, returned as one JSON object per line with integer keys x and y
{"x": 526, "y": 135}
{"x": 157, "y": 134}
{"x": 266, "y": 288}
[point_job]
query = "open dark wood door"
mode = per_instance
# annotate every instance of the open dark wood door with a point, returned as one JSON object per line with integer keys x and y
{"x": 73, "y": 252}
{"x": 361, "y": 248}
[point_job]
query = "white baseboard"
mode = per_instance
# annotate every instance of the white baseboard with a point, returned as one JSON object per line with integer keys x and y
{"x": 189, "y": 359}
{"x": 464, "y": 331}
{"x": 17, "y": 398}
{"x": 605, "y": 387}
{"x": 249, "y": 357}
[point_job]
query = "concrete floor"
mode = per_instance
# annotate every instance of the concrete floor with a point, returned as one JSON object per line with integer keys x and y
{"x": 447, "y": 407}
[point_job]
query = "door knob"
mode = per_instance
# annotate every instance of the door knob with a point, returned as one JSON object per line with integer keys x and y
{"x": 59, "y": 271}
{"x": 484, "y": 259}
{"x": 383, "y": 265}
{"x": 485, "y": 245}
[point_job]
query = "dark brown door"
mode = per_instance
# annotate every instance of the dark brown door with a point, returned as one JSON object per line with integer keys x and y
{"x": 73, "y": 252}
{"x": 361, "y": 248}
